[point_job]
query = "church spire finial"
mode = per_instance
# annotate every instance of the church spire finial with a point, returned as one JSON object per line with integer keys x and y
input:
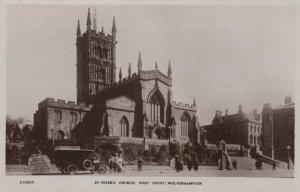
{"x": 140, "y": 63}
{"x": 95, "y": 20}
{"x": 78, "y": 28}
{"x": 102, "y": 30}
{"x": 156, "y": 66}
{"x": 129, "y": 70}
{"x": 88, "y": 21}
{"x": 194, "y": 102}
{"x": 114, "y": 29}
{"x": 120, "y": 74}
{"x": 169, "y": 70}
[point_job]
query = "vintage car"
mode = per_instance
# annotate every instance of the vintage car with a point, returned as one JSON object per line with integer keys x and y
{"x": 70, "y": 161}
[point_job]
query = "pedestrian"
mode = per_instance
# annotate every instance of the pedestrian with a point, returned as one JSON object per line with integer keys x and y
{"x": 257, "y": 165}
{"x": 234, "y": 164}
{"x": 177, "y": 163}
{"x": 111, "y": 163}
{"x": 140, "y": 164}
{"x": 195, "y": 162}
{"x": 115, "y": 164}
{"x": 189, "y": 163}
{"x": 274, "y": 166}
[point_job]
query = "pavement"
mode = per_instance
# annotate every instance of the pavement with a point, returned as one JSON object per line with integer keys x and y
{"x": 165, "y": 171}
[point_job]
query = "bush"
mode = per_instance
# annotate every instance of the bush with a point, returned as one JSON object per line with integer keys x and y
{"x": 154, "y": 152}
{"x": 140, "y": 152}
{"x": 163, "y": 148}
{"x": 146, "y": 153}
{"x": 174, "y": 149}
{"x": 162, "y": 156}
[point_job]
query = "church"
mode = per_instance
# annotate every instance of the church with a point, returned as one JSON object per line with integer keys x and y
{"x": 132, "y": 108}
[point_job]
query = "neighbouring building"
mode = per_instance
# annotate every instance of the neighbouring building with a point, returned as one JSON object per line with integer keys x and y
{"x": 240, "y": 128}
{"x": 136, "y": 107}
{"x": 279, "y": 130}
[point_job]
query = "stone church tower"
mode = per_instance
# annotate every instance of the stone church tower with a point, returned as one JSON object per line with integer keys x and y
{"x": 137, "y": 108}
{"x": 96, "y": 60}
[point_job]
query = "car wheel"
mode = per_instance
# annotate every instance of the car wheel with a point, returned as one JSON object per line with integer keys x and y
{"x": 102, "y": 169}
{"x": 65, "y": 170}
{"x": 72, "y": 169}
{"x": 87, "y": 164}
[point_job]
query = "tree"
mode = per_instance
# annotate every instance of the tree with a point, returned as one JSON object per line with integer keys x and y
{"x": 13, "y": 131}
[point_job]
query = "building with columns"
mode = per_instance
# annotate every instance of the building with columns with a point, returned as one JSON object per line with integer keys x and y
{"x": 239, "y": 128}
{"x": 132, "y": 108}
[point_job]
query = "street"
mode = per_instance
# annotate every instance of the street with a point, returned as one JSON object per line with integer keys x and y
{"x": 165, "y": 171}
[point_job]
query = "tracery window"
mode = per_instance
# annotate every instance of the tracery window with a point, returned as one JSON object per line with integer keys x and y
{"x": 124, "y": 127}
{"x": 184, "y": 125}
{"x": 156, "y": 109}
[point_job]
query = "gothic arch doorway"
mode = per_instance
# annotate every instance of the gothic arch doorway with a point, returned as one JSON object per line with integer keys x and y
{"x": 60, "y": 135}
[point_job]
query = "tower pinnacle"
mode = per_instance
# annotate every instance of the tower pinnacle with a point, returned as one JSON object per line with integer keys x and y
{"x": 169, "y": 70}
{"x": 95, "y": 20}
{"x": 114, "y": 29}
{"x": 140, "y": 63}
{"x": 88, "y": 21}
{"x": 78, "y": 28}
{"x": 129, "y": 70}
{"x": 120, "y": 74}
{"x": 194, "y": 102}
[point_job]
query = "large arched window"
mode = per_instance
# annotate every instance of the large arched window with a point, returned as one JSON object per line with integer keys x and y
{"x": 156, "y": 108}
{"x": 100, "y": 78}
{"x": 184, "y": 125}
{"x": 124, "y": 127}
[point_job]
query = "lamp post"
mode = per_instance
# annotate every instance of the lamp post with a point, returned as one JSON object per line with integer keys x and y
{"x": 204, "y": 133}
{"x": 170, "y": 134}
{"x": 288, "y": 155}
{"x": 222, "y": 148}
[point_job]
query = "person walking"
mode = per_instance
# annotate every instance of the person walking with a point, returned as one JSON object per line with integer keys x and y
{"x": 189, "y": 163}
{"x": 111, "y": 163}
{"x": 140, "y": 164}
{"x": 195, "y": 162}
{"x": 274, "y": 166}
{"x": 177, "y": 163}
{"x": 234, "y": 164}
{"x": 257, "y": 165}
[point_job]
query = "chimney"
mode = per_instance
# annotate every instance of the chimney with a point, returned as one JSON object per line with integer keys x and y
{"x": 226, "y": 112}
{"x": 288, "y": 99}
{"x": 218, "y": 113}
{"x": 240, "y": 111}
{"x": 255, "y": 112}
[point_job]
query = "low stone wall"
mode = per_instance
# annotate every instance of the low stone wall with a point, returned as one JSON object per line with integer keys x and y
{"x": 270, "y": 161}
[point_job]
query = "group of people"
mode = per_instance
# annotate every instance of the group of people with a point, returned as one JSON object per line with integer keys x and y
{"x": 116, "y": 163}
{"x": 192, "y": 162}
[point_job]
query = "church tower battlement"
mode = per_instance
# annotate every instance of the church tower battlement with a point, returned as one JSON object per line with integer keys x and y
{"x": 96, "y": 59}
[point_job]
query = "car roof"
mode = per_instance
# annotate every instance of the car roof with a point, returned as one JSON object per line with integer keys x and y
{"x": 83, "y": 150}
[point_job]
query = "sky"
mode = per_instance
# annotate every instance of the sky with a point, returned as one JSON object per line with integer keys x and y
{"x": 222, "y": 56}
